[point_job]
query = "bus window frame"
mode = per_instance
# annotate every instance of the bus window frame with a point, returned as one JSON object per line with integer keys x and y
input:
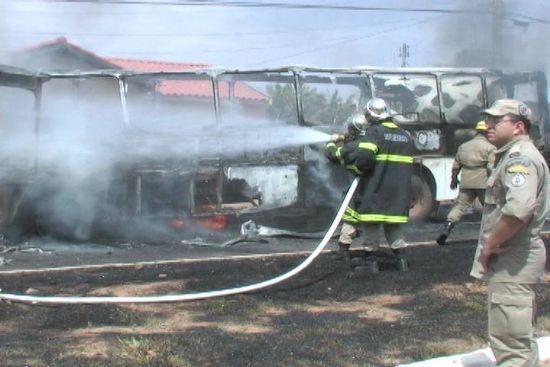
{"x": 482, "y": 79}
{"x": 406, "y": 73}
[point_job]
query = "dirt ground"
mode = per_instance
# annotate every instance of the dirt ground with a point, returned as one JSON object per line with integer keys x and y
{"x": 325, "y": 316}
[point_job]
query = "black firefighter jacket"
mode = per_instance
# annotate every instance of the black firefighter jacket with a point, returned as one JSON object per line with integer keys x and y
{"x": 383, "y": 158}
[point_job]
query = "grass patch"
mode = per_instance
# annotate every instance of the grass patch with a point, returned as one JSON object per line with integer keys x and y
{"x": 449, "y": 347}
{"x": 18, "y": 356}
{"x": 155, "y": 322}
{"x": 147, "y": 351}
{"x": 236, "y": 306}
{"x": 82, "y": 316}
{"x": 543, "y": 325}
{"x": 97, "y": 364}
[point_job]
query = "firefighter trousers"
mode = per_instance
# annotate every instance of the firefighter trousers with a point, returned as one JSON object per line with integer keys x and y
{"x": 393, "y": 232}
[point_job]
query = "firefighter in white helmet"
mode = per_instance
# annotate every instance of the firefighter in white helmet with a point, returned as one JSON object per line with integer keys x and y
{"x": 357, "y": 125}
{"x": 382, "y": 157}
{"x": 474, "y": 160}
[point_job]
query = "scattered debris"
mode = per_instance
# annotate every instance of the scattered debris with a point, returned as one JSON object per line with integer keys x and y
{"x": 34, "y": 249}
{"x": 5, "y": 249}
{"x": 252, "y": 232}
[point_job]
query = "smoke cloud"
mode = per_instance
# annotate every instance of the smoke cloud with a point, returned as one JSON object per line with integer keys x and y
{"x": 495, "y": 37}
{"x": 84, "y": 155}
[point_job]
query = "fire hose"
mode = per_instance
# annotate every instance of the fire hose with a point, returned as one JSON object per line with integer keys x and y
{"x": 191, "y": 296}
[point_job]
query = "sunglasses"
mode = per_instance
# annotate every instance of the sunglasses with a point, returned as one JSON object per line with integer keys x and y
{"x": 495, "y": 120}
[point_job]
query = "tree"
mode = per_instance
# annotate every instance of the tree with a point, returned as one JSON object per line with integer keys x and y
{"x": 318, "y": 109}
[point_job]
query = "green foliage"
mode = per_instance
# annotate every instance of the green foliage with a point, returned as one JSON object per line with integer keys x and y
{"x": 318, "y": 109}
{"x": 283, "y": 102}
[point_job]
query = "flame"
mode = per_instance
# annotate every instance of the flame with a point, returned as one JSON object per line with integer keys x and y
{"x": 215, "y": 222}
{"x": 177, "y": 223}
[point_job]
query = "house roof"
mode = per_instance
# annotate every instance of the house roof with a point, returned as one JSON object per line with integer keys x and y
{"x": 62, "y": 46}
{"x": 198, "y": 88}
{"x": 189, "y": 88}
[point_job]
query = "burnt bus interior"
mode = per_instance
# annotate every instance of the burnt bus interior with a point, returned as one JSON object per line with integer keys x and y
{"x": 106, "y": 154}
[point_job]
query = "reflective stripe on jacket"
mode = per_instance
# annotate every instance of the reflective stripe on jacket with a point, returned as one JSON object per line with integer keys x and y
{"x": 383, "y": 158}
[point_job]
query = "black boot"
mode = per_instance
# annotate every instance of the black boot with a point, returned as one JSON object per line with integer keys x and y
{"x": 342, "y": 253}
{"x": 371, "y": 261}
{"x": 401, "y": 263}
{"x": 442, "y": 239}
{"x": 365, "y": 261}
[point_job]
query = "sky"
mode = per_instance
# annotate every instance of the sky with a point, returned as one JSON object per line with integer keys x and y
{"x": 275, "y": 33}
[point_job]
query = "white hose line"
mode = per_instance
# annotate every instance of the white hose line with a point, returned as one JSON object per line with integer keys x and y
{"x": 192, "y": 296}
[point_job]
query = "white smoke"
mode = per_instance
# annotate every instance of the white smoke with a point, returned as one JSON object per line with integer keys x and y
{"x": 80, "y": 150}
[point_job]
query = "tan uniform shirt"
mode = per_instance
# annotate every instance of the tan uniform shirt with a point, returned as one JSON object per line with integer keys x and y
{"x": 519, "y": 186}
{"x": 474, "y": 158}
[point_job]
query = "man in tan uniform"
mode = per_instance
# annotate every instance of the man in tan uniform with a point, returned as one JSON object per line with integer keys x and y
{"x": 510, "y": 254}
{"x": 474, "y": 159}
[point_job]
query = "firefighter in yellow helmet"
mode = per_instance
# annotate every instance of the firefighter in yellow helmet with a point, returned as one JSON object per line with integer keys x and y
{"x": 473, "y": 160}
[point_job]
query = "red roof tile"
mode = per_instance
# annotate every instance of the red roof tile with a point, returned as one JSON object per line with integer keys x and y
{"x": 199, "y": 88}
{"x": 168, "y": 87}
{"x": 146, "y": 65}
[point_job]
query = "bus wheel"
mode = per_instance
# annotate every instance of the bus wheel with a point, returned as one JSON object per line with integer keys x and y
{"x": 422, "y": 200}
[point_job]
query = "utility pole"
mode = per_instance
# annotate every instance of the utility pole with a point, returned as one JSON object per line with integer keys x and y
{"x": 404, "y": 54}
{"x": 496, "y": 34}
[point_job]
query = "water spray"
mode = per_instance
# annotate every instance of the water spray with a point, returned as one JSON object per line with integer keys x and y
{"x": 193, "y": 296}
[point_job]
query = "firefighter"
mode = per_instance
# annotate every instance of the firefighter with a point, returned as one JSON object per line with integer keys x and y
{"x": 356, "y": 128}
{"x": 474, "y": 159}
{"x": 510, "y": 254}
{"x": 382, "y": 157}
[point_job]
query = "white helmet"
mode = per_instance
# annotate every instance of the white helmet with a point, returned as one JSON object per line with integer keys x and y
{"x": 377, "y": 109}
{"x": 357, "y": 123}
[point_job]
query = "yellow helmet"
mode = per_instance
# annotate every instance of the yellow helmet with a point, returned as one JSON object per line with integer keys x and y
{"x": 480, "y": 126}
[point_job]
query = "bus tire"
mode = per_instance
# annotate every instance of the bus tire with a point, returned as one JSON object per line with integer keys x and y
{"x": 422, "y": 198}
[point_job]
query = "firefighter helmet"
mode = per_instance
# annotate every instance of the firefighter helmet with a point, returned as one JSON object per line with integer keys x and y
{"x": 481, "y": 126}
{"x": 377, "y": 109}
{"x": 357, "y": 123}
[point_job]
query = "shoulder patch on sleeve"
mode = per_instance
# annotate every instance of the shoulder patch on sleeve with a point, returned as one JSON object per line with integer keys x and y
{"x": 517, "y": 168}
{"x": 518, "y": 165}
{"x": 517, "y": 180}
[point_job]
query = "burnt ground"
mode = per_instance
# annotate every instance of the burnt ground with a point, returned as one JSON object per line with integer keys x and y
{"x": 325, "y": 316}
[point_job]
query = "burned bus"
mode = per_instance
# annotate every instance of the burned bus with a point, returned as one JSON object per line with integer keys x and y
{"x": 118, "y": 153}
